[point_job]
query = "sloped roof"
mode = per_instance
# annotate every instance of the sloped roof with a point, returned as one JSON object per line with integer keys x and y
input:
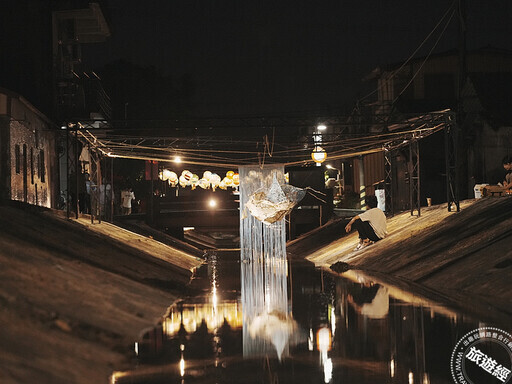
{"x": 488, "y": 51}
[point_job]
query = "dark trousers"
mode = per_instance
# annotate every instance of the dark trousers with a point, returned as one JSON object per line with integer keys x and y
{"x": 365, "y": 230}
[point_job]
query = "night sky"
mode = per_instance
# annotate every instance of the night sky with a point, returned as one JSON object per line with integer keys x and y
{"x": 286, "y": 57}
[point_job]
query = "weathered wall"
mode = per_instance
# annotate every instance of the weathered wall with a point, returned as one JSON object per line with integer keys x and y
{"x": 489, "y": 150}
{"x": 373, "y": 174}
{"x": 29, "y": 148}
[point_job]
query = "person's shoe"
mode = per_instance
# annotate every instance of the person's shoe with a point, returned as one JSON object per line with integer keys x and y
{"x": 363, "y": 244}
{"x": 359, "y": 246}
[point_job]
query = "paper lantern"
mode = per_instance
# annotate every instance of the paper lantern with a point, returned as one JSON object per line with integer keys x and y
{"x": 318, "y": 155}
{"x": 236, "y": 179}
{"x": 172, "y": 179}
{"x": 187, "y": 175}
{"x": 194, "y": 181}
{"x": 165, "y": 174}
{"x": 203, "y": 183}
{"x": 228, "y": 181}
{"x": 215, "y": 180}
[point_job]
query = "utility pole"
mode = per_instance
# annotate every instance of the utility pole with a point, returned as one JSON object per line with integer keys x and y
{"x": 455, "y": 148}
{"x": 461, "y": 115}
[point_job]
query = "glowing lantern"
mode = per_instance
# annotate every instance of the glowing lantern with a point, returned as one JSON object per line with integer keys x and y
{"x": 207, "y": 175}
{"x": 172, "y": 179}
{"x": 183, "y": 181}
{"x": 318, "y": 155}
{"x": 187, "y": 175}
{"x": 203, "y": 183}
{"x": 222, "y": 184}
{"x": 228, "y": 181}
{"x": 214, "y": 180}
{"x": 165, "y": 174}
{"x": 230, "y": 174}
{"x": 194, "y": 181}
{"x": 236, "y": 179}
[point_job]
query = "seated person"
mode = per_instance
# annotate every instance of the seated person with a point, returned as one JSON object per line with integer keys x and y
{"x": 370, "y": 224}
{"x": 507, "y": 164}
{"x": 506, "y": 184}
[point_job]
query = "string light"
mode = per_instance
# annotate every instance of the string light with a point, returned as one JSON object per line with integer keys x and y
{"x": 351, "y": 145}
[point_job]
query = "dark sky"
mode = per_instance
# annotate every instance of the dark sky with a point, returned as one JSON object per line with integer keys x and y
{"x": 283, "y": 56}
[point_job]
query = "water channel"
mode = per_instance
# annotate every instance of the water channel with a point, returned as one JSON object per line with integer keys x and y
{"x": 340, "y": 328}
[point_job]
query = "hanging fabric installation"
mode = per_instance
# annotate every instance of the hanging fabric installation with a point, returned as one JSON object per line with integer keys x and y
{"x": 263, "y": 260}
{"x": 271, "y": 204}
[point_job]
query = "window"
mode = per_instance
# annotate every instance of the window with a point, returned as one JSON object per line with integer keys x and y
{"x": 41, "y": 166}
{"x": 17, "y": 158}
{"x": 32, "y": 165}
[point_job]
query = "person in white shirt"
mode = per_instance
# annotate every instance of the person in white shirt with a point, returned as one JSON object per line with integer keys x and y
{"x": 370, "y": 224}
{"x": 127, "y": 196}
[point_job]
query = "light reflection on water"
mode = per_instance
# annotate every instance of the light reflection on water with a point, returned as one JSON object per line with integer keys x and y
{"x": 350, "y": 329}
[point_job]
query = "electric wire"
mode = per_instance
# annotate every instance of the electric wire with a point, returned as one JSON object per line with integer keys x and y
{"x": 426, "y": 58}
{"x": 277, "y": 150}
{"x": 395, "y": 72}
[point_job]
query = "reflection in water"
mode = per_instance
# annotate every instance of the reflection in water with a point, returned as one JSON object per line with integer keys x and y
{"x": 182, "y": 366}
{"x": 358, "y": 330}
{"x": 190, "y": 315}
{"x": 324, "y": 342}
{"x": 276, "y": 328}
{"x": 371, "y": 301}
{"x": 264, "y": 288}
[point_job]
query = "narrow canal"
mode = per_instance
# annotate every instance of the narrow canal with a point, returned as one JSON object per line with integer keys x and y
{"x": 340, "y": 328}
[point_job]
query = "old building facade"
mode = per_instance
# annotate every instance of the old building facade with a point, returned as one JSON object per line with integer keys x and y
{"x": 476, "y": 88}
{"x": 29, "y": 167}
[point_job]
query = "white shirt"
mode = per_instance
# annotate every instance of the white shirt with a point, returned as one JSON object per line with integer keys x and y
{"x": 379, "y": 307}
{"x": 126, "y": 198}
{"x": 377, "y": 220}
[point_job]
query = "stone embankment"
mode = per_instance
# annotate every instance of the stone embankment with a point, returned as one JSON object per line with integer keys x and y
{"x": 74, "y": 296}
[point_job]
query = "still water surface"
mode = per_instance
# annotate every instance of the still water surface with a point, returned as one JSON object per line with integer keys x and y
{"x": 341, "y": 328}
